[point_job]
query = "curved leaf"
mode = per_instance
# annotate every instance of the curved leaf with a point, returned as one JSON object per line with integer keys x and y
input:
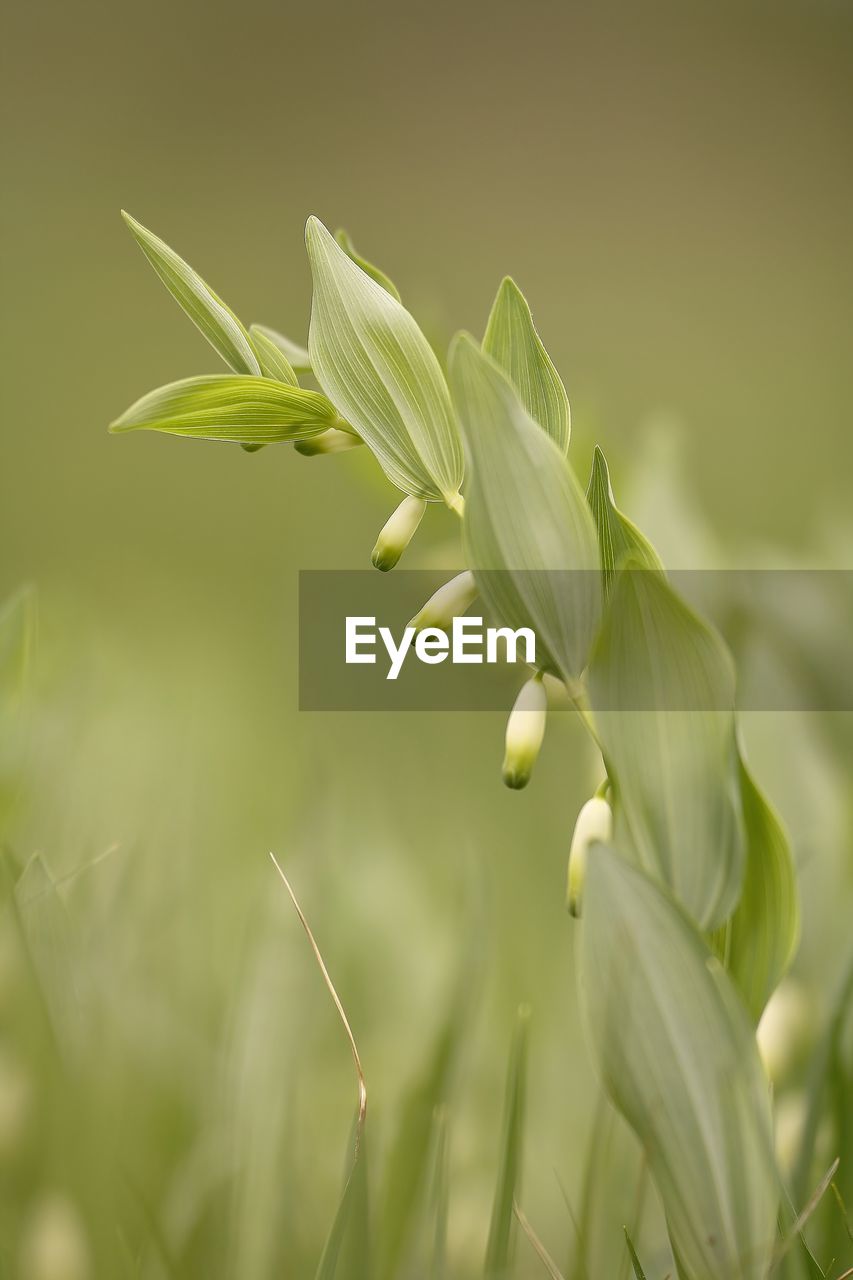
{"x": 274, "y": 363}
{"x": 343, "y": 239}
{"x": 528, "y": 532}
{"x": 207, "y": 311}
{"x": 246, "y": 410}
{"x": 509, "y": 1168}
{"x": 381, "y": 373}
{"x": 297, "y": 357}
{"x": 679, "y": 1060}
{"x": 513, "y": 343}
{"x": 618, "y": 537}
{"x": 758, "y": 941}
{"x": 662, "y": 688}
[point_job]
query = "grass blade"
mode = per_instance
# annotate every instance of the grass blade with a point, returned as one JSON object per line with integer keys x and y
{"x": 639, "y": 1273}
{"x": 536, "y": 1244}
{"x": 347, "y": 1249}
{"x": 440, "y": 1196}
{"x": 509, "y": 1170}
{"x": 408, "y": 1159}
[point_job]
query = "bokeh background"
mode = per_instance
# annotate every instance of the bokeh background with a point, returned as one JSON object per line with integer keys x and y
{"x": 671, "y": 185}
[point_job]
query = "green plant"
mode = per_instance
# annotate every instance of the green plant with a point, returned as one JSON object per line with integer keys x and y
{"x": 681, "y": 871}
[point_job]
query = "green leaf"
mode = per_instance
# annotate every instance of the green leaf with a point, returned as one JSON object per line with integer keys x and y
{"x": 381, "y": 373}
{"x": 368, "y": 268}
{"x": 45, "y": 931}
{"x": 274, "y": 363}
{"x": 509, "y": 1169}
{"x": 207, "y": 311}
{"x": 297, "y": 357}
{"x": 758, "y": 941}
{"x": 513, "y": 343}
{"x": 440, "y": 1196}
{"x": 527, "y": 527}
{"x": 18, "y": 624}
{"x": 678, "y": 1057}
{"x": 618, "y": 538}
{"x": 346, "y": 1255}
{"x": 661, "y": 684}
{"x": 639, "y": 1273}
{"x": 407, "y": 1163}
{"x": 245, "y": 410}
{"x": 828, "y": 1091}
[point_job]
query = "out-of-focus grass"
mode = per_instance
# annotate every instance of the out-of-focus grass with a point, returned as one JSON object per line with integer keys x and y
{"x": 175, "y": 1091}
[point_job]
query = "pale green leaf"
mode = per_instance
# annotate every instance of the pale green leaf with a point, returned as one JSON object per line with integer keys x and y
{"x": 18, "y": 622}
{"x": 381, "y": 373}
{"x": 618, "y": 537}
{"x": 440, "y": 1196}
{"x": 295, "y": 355}
{"x": 343, "y": 239}
{"x": 758, "y": 941}
{"x": 528, "y": 532}
{"x": 407, "y": 1163}
{"x": 662, "y": 688}
{"x": 513, "y": 343}
{"x": 509, "y": 1168}
{"x": 207, "y": 311}
{"x": 246, "y": 410}
{"x": 346, "y": 1254}
{"x": 49, "y": 947}
{"x": 274, "y": 363}
{"x": 678, "y": 1057}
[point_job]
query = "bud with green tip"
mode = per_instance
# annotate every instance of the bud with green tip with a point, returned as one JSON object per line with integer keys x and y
{"x": 397, "y": 533}
{"x": 594, "y": 824}
{"x": 524, "y": 733}
{"x": 450, "y": 601}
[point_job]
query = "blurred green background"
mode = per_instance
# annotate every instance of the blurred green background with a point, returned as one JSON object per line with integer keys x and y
{"x": 671, "y": 186}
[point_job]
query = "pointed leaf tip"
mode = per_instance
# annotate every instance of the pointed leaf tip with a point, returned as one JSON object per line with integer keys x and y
{"x": 205, "y": 308}
{"x": 378, "y": 369}
{"x": 512, "y": 341}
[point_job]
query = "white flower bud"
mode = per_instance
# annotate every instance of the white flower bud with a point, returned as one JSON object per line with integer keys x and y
{"x": 524, "y": 733}
{"x": 449, "y": 602}
{"x": 331, "y": 441}
{"x": 594, "y": 825}
{"x": 54, "y": 1245}
{"x": 785, "y": 1026}
{"x": 398, "y": 532}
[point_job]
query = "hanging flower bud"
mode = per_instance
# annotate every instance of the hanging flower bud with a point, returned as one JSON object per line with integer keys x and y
{"x": 331, "y": 441}
{"x": 594, "y": 824}
{"x": 524, "y": 733}
{"x": 397, "y": 533}
{"x": 449, "y": 602}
